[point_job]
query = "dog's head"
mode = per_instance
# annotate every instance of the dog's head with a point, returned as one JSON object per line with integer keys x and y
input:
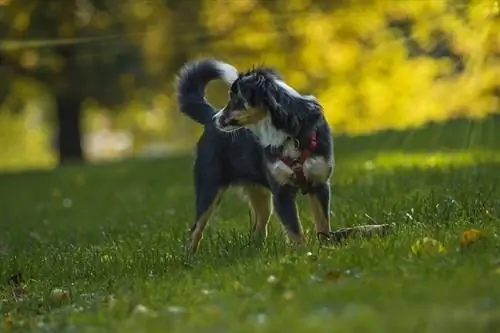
{"x": 250, "y": 97}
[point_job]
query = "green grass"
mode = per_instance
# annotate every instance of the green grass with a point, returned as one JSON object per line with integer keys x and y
{"x": 119, "y": 229}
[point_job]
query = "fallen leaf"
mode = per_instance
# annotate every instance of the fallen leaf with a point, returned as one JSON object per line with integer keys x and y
{"x": 272, "y": 279}
{"x": 207, "y": 291}
{"x": 333, "y": 275}
{"x": 311, "y": 256}
{"x": 67, "y": 203}
{"x": 140, "y": 309}
{"x": 106, "y": 258}
{"x": 176, "y": 309}
{"x": 8, "y": 321}
{"x": 470, "y": 236}
{"x": 427, "y": 245}
{"x": 59, "y": 294}
{"x": 288, "y": 295}
{"x": 315, "y": 278}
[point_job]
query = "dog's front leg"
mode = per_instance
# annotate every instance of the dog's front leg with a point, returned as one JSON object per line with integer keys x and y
{"x": 286, "y": 209}
{"x": 281, "y": 172}
{"x": 317, "y": 171}
{"x": 320, "y": 206}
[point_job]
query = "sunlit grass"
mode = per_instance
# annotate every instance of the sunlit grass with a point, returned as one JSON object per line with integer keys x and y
{"x": 100, "y": 248}
{"x": 428, "y": 160}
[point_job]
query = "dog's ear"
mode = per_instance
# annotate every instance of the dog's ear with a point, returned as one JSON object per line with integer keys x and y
{"x": 277, "y": 111}
{"x": 283, "y": 119}
{"x": 273, "y": 103}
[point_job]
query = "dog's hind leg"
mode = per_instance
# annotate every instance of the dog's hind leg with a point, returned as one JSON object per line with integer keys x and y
{"x": 261, "y": 208}
{"x": 284, "y": 204}
{"x": 207, "y": 200}
{"x": 320, "y": 206}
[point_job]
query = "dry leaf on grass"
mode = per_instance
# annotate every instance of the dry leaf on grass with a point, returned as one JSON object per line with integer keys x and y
{"x": 59, "y": 294}
{"x": 333, "y": 275}
{"x": 427, "y": 245}
{"x": 471, "y": 236}
{"x": 8, "y": 321}
{"x": 288, "y": 295}
{"x": 140, "y": 309}
{"x": 174, "y": 309}
{"x": 272, "y": 279}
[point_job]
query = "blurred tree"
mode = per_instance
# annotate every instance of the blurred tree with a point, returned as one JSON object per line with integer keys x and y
{"x": 372, "y": 65}
{"x": 71, "y": 68}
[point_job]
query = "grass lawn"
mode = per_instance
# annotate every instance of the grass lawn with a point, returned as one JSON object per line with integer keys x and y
{"x": 99, "y": 248}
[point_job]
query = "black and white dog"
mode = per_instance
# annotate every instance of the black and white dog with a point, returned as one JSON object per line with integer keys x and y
{"x": 268, "y": 139}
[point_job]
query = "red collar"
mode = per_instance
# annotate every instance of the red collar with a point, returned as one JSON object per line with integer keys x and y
{"x": 298, "y": 163}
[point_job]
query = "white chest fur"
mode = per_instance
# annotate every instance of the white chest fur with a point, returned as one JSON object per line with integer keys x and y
{"x": 268, "y": 135}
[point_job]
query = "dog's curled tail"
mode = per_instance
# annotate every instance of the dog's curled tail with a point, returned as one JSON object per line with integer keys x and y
{"x": 191, "y": 82}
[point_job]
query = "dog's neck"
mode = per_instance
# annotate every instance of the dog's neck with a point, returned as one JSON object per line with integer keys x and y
{"x": 269, "y": 136}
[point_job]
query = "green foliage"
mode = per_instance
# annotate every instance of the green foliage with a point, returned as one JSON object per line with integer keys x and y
{"x": 93, "y": 243}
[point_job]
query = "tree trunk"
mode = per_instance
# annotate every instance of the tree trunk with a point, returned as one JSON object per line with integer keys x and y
{"x": 69, "y": 135}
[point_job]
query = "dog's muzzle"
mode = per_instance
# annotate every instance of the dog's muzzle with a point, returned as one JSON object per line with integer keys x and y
{"x": 223, "y": 119}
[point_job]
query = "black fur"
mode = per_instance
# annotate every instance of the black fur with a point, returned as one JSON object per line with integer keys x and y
{"x": 237, "y": 158}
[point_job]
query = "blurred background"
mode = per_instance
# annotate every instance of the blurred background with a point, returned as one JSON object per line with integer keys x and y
{"x": 93, "y": 80}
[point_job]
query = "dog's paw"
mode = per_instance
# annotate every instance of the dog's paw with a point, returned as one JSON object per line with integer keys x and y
{"x": 281, "y": 172}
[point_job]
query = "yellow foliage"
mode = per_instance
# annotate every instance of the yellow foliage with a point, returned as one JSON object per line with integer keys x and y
{"x": 344, "y": 53}
{"x": 364, "y": 89}
{"x": 32, "y": 146}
